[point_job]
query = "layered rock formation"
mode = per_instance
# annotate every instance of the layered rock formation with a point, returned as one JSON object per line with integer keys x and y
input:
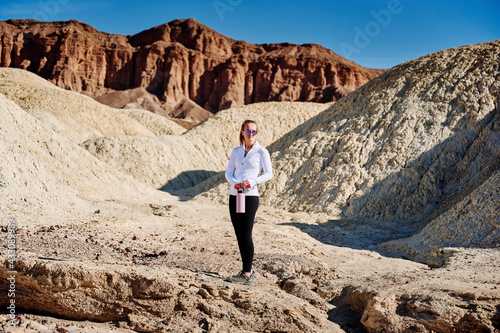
{"x": 180, "y": 63}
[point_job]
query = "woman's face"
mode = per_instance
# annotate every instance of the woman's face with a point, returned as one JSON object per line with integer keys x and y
{"x": 250, "y": 138}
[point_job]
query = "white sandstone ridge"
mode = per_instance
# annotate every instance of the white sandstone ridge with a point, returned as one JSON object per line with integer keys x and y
{"x": 76, "y": 116}
{"x": 473, "y": 222}
{"x": 43, "y": 172}
{"x": 177, "y": 162}
{"x": 419, "y": 137}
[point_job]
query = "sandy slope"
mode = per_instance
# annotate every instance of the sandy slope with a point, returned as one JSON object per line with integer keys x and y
{"x": 73, "y": 115}
{"x": 180, "y": 161}
{"x": 43, "y": 172}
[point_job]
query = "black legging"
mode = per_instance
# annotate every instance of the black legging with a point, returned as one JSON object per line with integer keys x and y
{"x": 243, "y": 226}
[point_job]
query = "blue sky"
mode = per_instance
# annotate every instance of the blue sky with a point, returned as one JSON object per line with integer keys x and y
{"x": 373, "y": 33}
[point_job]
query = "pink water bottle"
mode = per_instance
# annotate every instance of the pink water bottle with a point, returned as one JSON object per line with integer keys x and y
{"x": 240, "y": 201}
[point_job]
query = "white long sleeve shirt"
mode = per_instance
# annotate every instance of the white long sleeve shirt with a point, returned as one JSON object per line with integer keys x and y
{"x": 241, "y": 168}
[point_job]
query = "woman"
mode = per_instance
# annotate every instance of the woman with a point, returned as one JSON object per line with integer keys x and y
{"x": 242, "y": 172}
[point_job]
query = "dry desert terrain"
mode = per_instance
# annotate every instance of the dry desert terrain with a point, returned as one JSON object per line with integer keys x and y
{"x": 383, "y": 214}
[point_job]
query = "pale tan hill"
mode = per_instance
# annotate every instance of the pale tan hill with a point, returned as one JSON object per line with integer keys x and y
{"x": 471, "y": 216}
{"x": 178, "y": 162}
{"x": 474, "y": 222}
{"x": 274, "y": 120}
{"x": 157, "y": 161}
{"x": 401, "y": 146}
{"x": 158, "y": 125}
{"x": 43, "y": 172}
{"x": 74, "y": 115}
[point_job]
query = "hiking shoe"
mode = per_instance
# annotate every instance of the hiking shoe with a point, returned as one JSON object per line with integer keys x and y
{"x": 241, "y": 278}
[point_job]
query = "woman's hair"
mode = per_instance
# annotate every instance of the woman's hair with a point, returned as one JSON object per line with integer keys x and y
{"x": 242, "y": 139}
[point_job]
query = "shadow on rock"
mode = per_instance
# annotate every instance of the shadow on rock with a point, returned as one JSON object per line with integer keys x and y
{"x": 185, "y": 180}
{"x": 357, "y": 234}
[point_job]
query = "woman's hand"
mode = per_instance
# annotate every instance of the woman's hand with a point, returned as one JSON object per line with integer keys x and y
{"x": 246, "y": 183}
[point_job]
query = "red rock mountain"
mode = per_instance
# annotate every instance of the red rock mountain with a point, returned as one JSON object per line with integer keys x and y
{"x": 180, "y": 65}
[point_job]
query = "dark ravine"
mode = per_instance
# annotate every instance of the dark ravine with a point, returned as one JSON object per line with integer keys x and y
{"x": 178, "y": 62}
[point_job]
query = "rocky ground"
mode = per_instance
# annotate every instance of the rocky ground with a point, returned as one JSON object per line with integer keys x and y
{"x": 313, "y": 274}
